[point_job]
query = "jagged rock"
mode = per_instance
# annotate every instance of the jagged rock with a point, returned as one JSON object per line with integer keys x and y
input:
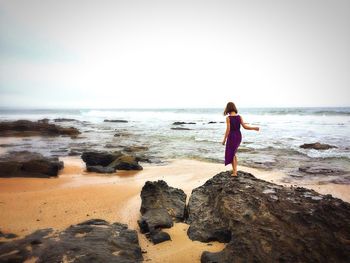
{"x": 212, "y": 122}
{"x": 31, "y": 128}
{"x": 159, "y": 195}
{"x": 317, "y": 146}
{"x": 91, "y": 241}
{"x": 122, "y": 121}
{"x": 154, "y": 219}
{"x": 264, "y": 222}
{"x": 180, "y": 129}
{"x": 28, "y": 164}
{"x": 182, "y": 122}
{"x": 161, "y": 204}
{"x": 100, "y": 169}
{"x": 115, "y": 160}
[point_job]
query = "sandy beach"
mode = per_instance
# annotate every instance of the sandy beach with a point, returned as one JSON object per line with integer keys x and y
{"x": 28, "y": 204}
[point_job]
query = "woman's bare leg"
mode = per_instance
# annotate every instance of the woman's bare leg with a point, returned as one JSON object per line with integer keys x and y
{"x": 234, "y": 164}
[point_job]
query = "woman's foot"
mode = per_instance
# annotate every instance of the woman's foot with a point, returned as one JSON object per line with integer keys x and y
{"x": 234, "y": 174}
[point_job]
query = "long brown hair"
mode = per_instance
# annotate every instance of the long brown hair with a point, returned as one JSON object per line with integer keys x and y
{"x": 230, "y": 107}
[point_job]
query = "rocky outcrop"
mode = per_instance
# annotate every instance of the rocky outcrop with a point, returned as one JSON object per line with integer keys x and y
{"x": 28, "y": 164}
{"x": 264, "y": 222}
{"x": 161, "y": 205}
{"x": 106, "y": 162}
{"x": 317, "y": 146}
{"x": 91, "y": 241}
{"x": 31, "y": 128}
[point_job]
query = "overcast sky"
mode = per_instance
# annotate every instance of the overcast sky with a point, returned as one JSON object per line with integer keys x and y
{"x": 115, "y": 54}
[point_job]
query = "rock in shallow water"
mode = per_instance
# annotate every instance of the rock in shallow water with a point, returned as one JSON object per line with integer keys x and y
{"x": 161, "y": 204}
{"x": 317, "y": 146}
{"x": 28, "y": 164}
{"x": 91, "y": 241}
{"x": 31, "y": 128}
{"x": 105, "y": 162}
{"x": 264, "y": 222}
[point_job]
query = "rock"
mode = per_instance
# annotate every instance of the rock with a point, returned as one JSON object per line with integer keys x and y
{"x": 180, "y": 129}
{"x": 91, "y": 241}
{"x": 122, "y": 121}
{"x": 126, "y": 162}
{"x": 131, "y": 149}
{"x": 64, "y": 120}
{"x": 115, "y": 160}
{"x": 159, "y": 236}
{"x": 7, "y": 235}
{"x": 212, "y": 122}
{"x": 317, "y": 146}
{"x": 30, "y": 128}
{"x": 159, "y": 195}
{"x": 99, "y": 158}
{"x": 100, "y": 169}
{"x": 154, "y": 219}
{"x": 264, "y": 222}
{"x": 182, "y": 122}
{"x": 28, "y": 164}
{"x": 161, "y": 204}
{"x": 320, "y": 170}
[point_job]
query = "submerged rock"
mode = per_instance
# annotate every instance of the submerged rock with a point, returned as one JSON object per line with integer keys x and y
{"x": 106, "y": 162}
{"x": 320, "y": 170}
{"x": 180, "y": 129}
{"x": 31, "y": 128}
{"x": 264, "y": 222}
{"x": 28, "y": 164}
{"x": 122, "y": 121}
{"x": 64, "y": 120}
{"x": 182, "y": 122}
{"x": 161, "y": 205}
{"x": 91, "y": 241}
{"x": 317, "y": 146}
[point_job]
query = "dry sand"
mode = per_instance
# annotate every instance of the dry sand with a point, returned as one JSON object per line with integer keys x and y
{"x": 27, "y": 204}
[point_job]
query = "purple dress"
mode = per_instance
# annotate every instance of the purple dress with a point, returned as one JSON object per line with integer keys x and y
{"x": 234, "y": 139}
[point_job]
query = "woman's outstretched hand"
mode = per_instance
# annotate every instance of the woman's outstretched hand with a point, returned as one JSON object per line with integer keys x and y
{"x": 257, "y": 128}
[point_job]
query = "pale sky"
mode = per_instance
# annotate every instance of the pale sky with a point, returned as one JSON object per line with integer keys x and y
{"x": 149, "y": 54}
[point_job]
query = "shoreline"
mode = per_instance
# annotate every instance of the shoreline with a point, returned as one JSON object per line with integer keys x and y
{"x": 28, "y": 204}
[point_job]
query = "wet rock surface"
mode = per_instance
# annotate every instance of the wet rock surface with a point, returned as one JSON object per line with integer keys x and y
{"x": 317, "y": 146}
{"x": 182, "y": 122}
{"x": 31, "y": 128}
{"x": 180, "y": 129}
{"x": 161, "y": 205}
{"x": 106, "y": 162}
{"x": 91, "y": 241}
{"x": 28, "y": 164}
{"x": 120, "y": 121}
{"x": 264, "y": 222}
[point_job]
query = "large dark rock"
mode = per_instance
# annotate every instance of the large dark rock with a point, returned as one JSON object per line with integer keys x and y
{"x": 180, "y": 129}
{"x": 28, "y": 164}
{"x": 106, "y": 162}
{"x": 161, "y": 204}
{"x": 31, "y": 128}
{"x": 264, "y": 222}
{"x": 91, "y": 241}
{"x": 159, "y": 195}
{"x": 317, "y": 146}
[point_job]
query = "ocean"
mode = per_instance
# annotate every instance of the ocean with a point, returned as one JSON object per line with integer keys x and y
{"x": 275, "y": 146}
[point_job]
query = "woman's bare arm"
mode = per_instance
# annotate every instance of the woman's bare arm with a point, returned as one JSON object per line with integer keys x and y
{"x": 248, "y": 127}
{"x": 227, "y": 130}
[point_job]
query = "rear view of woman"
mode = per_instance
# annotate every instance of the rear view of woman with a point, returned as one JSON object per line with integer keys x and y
{"x": 233, "y": 136}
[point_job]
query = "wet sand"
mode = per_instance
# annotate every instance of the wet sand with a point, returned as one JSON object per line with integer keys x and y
{"x": 27, "y": 204}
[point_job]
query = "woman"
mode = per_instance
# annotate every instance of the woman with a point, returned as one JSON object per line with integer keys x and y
{"x": 233, "y": 136}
